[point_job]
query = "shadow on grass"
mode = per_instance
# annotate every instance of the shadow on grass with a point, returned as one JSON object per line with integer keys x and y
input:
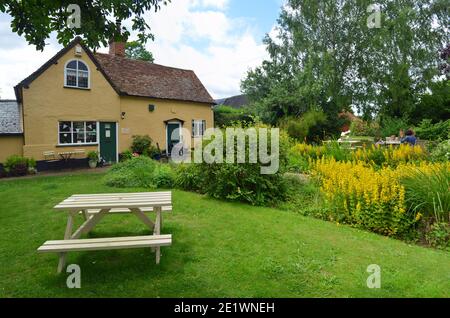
{"x": 102, "y": 270}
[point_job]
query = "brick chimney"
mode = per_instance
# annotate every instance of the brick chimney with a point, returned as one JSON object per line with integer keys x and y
{"x": 117, "y": 44}
{"x": 117, "y": 48}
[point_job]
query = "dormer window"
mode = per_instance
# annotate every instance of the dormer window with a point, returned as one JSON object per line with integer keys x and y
{"x": 76, "y": 74}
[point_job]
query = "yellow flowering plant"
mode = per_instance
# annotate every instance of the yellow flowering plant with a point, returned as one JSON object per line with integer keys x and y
{"x": 368, "y": 198}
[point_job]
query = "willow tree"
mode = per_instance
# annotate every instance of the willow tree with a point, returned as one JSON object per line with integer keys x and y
{"x": 337, "y": 54}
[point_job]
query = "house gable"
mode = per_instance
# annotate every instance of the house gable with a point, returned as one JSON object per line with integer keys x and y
{"x": 55, "y": 60}
{"x": 47, "y": 101}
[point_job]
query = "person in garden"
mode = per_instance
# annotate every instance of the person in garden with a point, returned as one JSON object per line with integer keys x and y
{"x": 410, "y": 138}
{"x": 401, "y": 134}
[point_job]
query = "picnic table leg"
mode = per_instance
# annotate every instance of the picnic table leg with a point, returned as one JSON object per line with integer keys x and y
{"x": 157, "y": 231}
{"x": 67, "y": 235}
{"x": 87, "y": 226}
{"x": 141, "y": 215}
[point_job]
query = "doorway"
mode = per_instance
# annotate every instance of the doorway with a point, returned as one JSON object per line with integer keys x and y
{"x": 108, "y": 142}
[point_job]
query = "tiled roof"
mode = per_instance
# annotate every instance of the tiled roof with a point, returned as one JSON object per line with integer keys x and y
{"x": 144, "y": 79}
{"x": 10, "y": 117}
{"x": 135, "y": 78}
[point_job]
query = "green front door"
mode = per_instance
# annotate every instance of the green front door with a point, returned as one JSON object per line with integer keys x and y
{"x": 108, "y": 142}
{"x": 173, "y": 136}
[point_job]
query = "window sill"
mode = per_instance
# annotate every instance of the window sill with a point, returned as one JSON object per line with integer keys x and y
{"x": 75, "y": 145}
{"x": 80, "y": 88}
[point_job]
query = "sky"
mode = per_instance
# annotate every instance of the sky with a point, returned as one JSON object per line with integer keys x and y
{"x": 218, "y": 39}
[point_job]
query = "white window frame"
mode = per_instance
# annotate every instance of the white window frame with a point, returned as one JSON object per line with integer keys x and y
{"x": 77, "y": 70}
{"x": 97, "y": 126}
{"x": 198, "y": 129}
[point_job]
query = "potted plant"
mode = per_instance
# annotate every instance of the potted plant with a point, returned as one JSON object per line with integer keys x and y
{"x": 93, "y": 159}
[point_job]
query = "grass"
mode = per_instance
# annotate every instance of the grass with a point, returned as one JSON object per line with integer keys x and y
{"x": 219, "y": 250}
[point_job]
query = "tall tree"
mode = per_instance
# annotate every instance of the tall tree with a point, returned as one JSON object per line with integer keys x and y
{"x": 326, "y": 55}
{"x": 137, "y": 51}
{"x": 401, "y": 61}
{"x": 445, "y": 63}
{"x": 37, "y": 19}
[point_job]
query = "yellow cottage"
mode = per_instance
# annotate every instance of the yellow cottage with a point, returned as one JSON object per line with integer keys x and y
{"x": 81, "y": 101}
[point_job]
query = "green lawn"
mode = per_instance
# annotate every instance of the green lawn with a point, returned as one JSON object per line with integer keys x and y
{"x": 219, "y": 250}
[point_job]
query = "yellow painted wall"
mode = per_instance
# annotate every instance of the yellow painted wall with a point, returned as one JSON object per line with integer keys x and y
{"x": 10, "y": 145}
{"x": 47, "y": 101}
{"x": 139, "y": 121}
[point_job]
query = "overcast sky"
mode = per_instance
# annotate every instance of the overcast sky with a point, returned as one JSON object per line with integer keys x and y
{"x": 218, "y": 39}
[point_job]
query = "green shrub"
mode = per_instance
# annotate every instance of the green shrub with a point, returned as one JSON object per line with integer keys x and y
{"x": 303, "y": 197}
{"x": 126, "y": 155}
{"x": 143, "y": 145}
{"x": 377, "y": 156}
{"x": 335, "y": 150}
{"x": 297, "y": 163}
{"x": 392, "y": 126}
{"x": 245, "y": 182}
{"x": 307, "y": 127}
{"x": 226, "y": 116}
{"x": 189, "y": 177}
{"x": 140, "y": 172}
{"x": 439, "y": 235}
{"x": 236, "y": 182}
{"x": 18, "y": 166}
{"x": 441, "y": 152}
{"x": 429, "y": 131}
{"x": 163, "y": 176}
{"x": 428, "y": 193}
{"x": 92, "y": 156}
{"x": 363, "y": 128}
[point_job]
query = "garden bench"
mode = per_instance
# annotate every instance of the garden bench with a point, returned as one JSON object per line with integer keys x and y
{"x": 105, "y": 244}
{"x": 125, "y": 211}
{"x": 94, "y": 207}
{"x": 49, "y": 156}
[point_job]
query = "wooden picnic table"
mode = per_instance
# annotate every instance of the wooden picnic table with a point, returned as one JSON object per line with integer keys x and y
{"x": 392, "y": 142}
{"x": 93, "y": 207}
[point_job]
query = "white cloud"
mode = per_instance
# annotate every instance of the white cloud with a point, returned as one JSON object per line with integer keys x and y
{"x": 190, "y": 34}
{"x": 219, "y": 4}
{"x": 17, "y": 58}
{"x": 218, "y": 48}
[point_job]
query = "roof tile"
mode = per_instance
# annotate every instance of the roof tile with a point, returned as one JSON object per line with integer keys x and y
{"x": 145, "y": 79}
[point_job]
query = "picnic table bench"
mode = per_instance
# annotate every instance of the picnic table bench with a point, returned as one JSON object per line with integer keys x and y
{"x": 93, "y": 207}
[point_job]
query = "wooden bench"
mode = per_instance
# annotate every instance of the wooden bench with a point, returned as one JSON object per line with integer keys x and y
{"x": 100, "y": 244}
{"x": 49, "y": 156}
{"x": 125, "y": 211}
{"x": 94, "y": 207}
